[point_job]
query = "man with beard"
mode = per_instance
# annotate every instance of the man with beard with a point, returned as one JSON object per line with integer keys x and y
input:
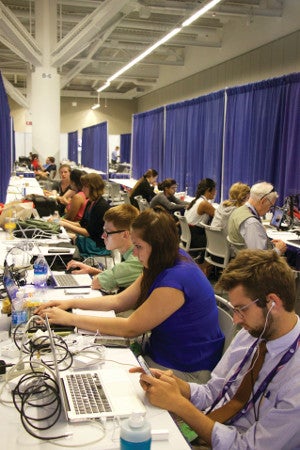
{"x": 252, "y": 400}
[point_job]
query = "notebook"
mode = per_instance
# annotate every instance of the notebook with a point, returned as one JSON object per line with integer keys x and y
{"x": 277, "y": 218}
{"x": 94, "y": 394}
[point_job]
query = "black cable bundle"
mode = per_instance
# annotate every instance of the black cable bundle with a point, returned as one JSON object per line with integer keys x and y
{"x": 38, "y": 393}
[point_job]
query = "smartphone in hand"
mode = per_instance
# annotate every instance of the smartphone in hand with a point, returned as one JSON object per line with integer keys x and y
{"x": 144, "y": 365}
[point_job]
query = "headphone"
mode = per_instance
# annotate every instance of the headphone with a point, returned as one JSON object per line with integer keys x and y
{"x": 272, "y": 305}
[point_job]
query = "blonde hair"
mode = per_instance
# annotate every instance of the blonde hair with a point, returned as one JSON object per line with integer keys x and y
{"x": 238, "y": 194}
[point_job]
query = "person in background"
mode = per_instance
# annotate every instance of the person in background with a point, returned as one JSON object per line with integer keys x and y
{"x": 261, "y": 289}
{"x": 238, "y": 195}
{"x": 116, "y": 236}
{"x": 245, "y": 226}
{"x": 181, "y": 314}
{"x": 49, "y": 167}
{"x": 144, "y": 187}
{"x": 115, "y": 155}
{"x": 166, "y": 198}
{"x": 76, "y": 203}
{"x": 35, "y": 163}
{"x": 201, "y": 210}
{"x": 89, "y": 229}
{"x": 62, "y": 187}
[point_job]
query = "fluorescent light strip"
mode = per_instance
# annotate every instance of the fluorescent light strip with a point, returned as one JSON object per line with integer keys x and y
{"x": 201, "y": 11}
{"x": 172, "y": 33}
{"x": 144, "y": 54}
{"x": 103, "y": 87}
{"x": 96, "y": 106}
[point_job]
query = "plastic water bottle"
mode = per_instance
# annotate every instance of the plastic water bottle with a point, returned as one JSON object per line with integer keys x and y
{"x": 19, "y": 310}
{"x": 40, "y": 272}
{"x": 135, "y": 433}
{"x": 55, "y": 217}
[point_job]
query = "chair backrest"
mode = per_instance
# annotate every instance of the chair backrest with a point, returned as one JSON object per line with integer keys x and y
{"x": 142, "y": 202}
{"x": 125, "y": 198}
{"x": 235, "y": 246}
{"x": 185, "y": 235}
{"x": 225, "y": 320}
{"x": 217, "y": 250}
{"x": 52, "y": 174}
{"x": 114, "y": 193}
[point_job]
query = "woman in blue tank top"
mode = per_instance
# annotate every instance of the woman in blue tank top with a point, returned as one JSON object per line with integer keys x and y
{"x": 172, "y": 299}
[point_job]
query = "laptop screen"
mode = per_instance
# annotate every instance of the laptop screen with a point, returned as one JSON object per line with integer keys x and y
{"x": 10, "y": 283}
{"x": 277, "y": 218}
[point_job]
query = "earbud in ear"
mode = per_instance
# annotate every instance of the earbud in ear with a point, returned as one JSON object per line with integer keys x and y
{"x": 272, "y": 305}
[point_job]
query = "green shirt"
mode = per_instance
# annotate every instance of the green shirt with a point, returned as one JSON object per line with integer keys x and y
{"x": 121, "y": 275}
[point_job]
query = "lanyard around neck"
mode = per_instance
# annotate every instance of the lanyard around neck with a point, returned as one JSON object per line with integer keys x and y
{"x": 285, "y": 358}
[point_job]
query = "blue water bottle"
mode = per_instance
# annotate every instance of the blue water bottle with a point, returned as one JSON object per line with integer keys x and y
{"x": 135, "y": 433}
{"x": 40, "y": 272}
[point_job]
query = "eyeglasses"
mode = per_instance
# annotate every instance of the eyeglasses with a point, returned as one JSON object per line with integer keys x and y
{"x": 266, "y": 195}
{"x": 240, "y": 311}
{"x": 108, "y": 233}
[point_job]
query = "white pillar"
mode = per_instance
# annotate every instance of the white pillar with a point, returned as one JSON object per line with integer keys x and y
{"x": 45, "y": 86}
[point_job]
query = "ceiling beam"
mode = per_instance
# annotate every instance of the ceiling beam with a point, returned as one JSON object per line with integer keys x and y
{"x": 15, "y": 36}
{"x": 15, "y": 94}
{"x": 79, "y": 38}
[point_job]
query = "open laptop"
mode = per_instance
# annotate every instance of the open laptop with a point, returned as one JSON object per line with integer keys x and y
{"x": 277, "y": 218}
{"x": 69, "y": 280}
{"x": 94, "y": 394}
{"x": 11, "y": 286}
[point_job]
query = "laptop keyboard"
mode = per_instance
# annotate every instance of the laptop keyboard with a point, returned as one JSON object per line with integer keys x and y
{"x": 65, "y": 280}
{"x": 87, "y": 393}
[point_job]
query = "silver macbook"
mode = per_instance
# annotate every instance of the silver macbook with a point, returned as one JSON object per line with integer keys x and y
{"x": 69, "y": 280}
{"x": 94, "y": 394}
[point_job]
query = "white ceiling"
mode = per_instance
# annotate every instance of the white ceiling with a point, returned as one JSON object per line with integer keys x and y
{"x": 97, "y": 38}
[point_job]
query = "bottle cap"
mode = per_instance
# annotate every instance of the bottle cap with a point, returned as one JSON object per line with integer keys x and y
{"x": 136, "y": 420}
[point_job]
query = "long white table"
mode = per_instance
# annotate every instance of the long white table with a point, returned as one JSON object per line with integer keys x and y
{"x": 88, "y": 435}
{"x": 18, "y": 187}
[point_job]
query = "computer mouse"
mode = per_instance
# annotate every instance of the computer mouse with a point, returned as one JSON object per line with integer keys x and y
{"x": 71, "y": 269}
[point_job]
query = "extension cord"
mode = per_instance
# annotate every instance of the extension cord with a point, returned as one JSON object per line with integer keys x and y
{"x": 16, "y": 374}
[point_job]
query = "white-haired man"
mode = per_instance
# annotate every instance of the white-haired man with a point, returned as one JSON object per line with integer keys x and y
{"x": 245, "y": 226}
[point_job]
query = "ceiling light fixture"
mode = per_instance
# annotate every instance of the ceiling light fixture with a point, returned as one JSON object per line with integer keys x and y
{"x": 144, "y": 54}
{"x": 205, "y": 7}
{"x": 96, "y": 105}
{"x": 210, "y": 4}
{"x": 100, "y": 89}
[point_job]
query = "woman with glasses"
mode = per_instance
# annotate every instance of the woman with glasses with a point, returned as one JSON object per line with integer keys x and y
{"x": 116, "y": 236}
{"x": 89, "y": 230}
{"x": 166, "y": 198}
{"x": 172, "y": 299}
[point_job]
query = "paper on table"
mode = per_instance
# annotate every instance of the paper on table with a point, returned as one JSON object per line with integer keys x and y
{"x": 92, "y": 312}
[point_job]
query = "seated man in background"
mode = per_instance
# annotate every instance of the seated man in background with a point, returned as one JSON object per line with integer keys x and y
{"x": 116, "y": 235}
{"x": 245, "y": 226}
{"x": 49, "y": 167}
{"x": 252, "y": 400}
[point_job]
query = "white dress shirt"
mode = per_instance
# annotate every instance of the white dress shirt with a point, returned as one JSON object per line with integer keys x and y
{"x": 278, "y": 410}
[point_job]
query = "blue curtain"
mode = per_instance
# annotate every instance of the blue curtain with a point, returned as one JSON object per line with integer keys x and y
{"x": 125, "y": 147}
{"x": 73, "y": 146}
{"x": 193, "y": 147}
{"x": 262, "y": 134}
{"x": 94, "y": 153}
{"x": 148, "y": 142}
{"x": 5, "y": 142}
